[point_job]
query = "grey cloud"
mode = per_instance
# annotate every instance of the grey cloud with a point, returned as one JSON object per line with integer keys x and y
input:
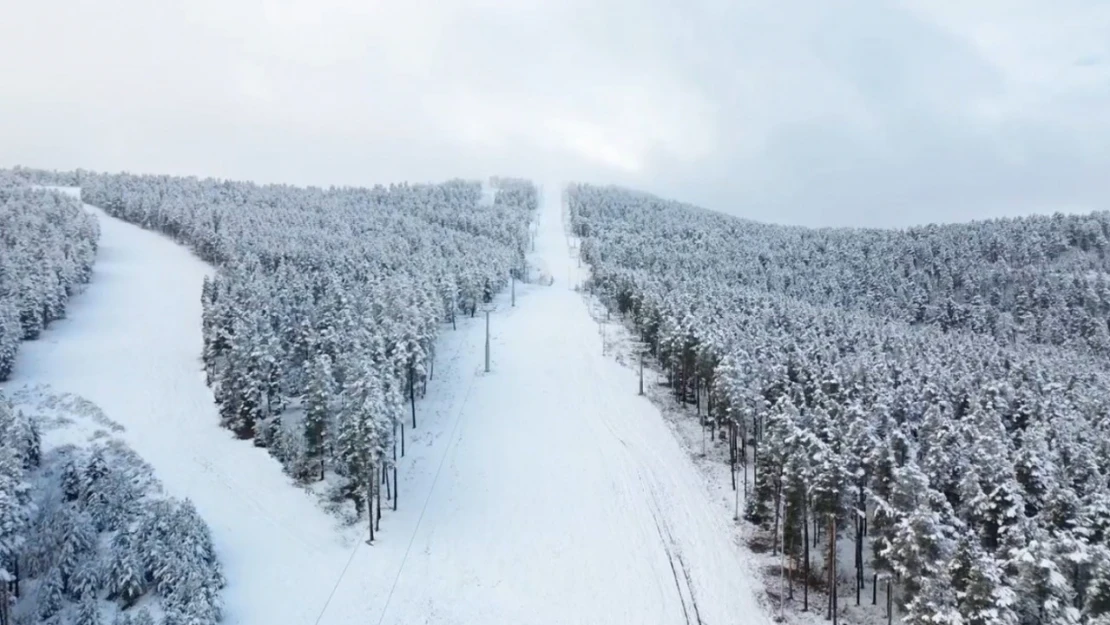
{"x": 855, "y": 112}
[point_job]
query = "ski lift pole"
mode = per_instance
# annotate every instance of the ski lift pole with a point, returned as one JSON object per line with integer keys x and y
{"x": 641, "y": 371}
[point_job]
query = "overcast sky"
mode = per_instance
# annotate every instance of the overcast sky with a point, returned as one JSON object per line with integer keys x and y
{"x": 820, "y": 112}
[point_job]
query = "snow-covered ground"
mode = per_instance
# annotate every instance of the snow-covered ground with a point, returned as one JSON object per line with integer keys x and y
{"x": 131, "y": 344}
{"x": 545, "y": 491}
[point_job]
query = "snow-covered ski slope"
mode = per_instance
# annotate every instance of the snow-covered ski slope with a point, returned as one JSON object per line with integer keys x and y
{"x": 131, "y": 344}
{"x": 544, "y": 492}
{"x": 556, "y": 495}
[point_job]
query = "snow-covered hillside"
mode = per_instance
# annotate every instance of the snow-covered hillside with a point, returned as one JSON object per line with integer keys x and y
{"x": 131, "y": 345}
{"x": 544, "y": 491}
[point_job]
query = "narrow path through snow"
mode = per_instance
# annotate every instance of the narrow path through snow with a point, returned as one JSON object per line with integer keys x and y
{"x": 559, "y": 497}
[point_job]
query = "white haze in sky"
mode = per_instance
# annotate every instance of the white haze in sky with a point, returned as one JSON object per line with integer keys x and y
{"x": 820, "y": 112}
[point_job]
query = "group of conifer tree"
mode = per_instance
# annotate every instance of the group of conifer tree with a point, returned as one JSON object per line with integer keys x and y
{"x": 320, "y": 325}
{"x": 933, "y": 400}
{"x": 47, "y": 247}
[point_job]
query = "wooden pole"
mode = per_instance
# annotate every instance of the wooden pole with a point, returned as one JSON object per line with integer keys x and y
{"x": 805, "y": 540}
{"x": 487, "y": 341}
{"x": 782, "y": 567}
{"x": 370, "y": 506}
{"x": 889, "y": 604}
{"x": 412, "y": 392}
{"x": 641, "y": 371}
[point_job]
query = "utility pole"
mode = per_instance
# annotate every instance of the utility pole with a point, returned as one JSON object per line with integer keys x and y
{"x": 641, "y": 371}
{"x": 412, "y": 390}
{"x": 638, "y": 346}
{"x": 782, "y": 571}
{"x": 370, "y": 506}
{"x": 736, "y": 505}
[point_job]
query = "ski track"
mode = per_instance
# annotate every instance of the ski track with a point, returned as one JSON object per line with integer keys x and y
{"x": 544, "y": 492}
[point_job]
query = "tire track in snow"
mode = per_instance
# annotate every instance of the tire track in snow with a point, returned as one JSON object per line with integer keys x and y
{"x": 684, "y": 585}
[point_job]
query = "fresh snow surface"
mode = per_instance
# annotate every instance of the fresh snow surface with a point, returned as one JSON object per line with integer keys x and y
{"x": 544, "y": 492}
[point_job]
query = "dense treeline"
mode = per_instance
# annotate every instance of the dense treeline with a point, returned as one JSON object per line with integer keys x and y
{"x": 966, "y": 468}
{"x": 47, "y": 248}
{"x": 319, "y": 327}
{"x": 1031, "y": 279}
{"x": 80, "y": 525}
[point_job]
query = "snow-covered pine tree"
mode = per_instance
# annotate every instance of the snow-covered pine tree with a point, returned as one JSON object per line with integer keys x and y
{"x": 88, "y": 611}
{"x": 124, "y": 578}
{"x": 318, "y": 405}
{"x": 15, "y": 498}
{"x": 51, "y": 594}
{"x": 362, "y": 404}
{"x": 982, "y": 594}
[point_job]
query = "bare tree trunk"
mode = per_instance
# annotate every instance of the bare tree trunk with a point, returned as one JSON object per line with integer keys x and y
{"x": 732, "y": 452}
{"x": 697, "y": 395}
{"x": 412, "y": 392}
{"x": 805, "y": 564}
{"x": 778, "y": 505}
{"x": 745, "y": 470}
{"x": 370, "y": 505}
{"x": 709, "y": 397}
{"x": 859, "y": 557}
{"x": 830, "y": 565}
{"x": 792, "y": 560}
{"x": 832, "y": 550}
{"x": 755, "y": 466}
{"x": 394, "y": 488}
{"x": 889, "y": 604}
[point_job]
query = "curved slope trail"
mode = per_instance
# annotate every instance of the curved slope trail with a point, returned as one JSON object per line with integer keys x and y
{"x": 131, "y": 345}
{"x": 560, "y": 496}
